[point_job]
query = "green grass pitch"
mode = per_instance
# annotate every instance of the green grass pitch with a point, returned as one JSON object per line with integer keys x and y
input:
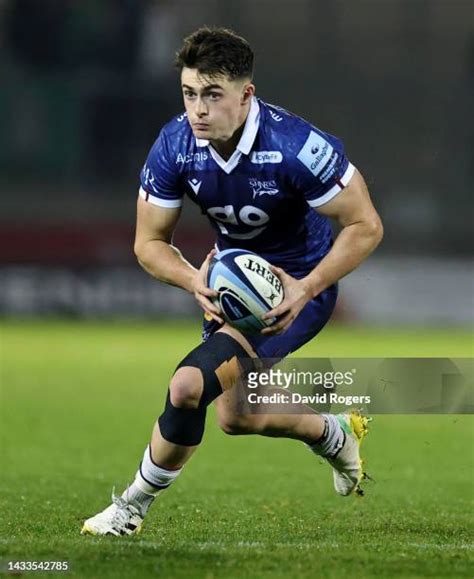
{"x": 78, "y": 403}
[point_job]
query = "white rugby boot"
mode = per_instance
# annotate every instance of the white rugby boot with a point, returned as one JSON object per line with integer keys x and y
{"x": 120, "y": 518}
{"x": 347, "y": 464}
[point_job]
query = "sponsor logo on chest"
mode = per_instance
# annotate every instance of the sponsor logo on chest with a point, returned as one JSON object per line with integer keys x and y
{"x": 198, "y": 157}
{"x": 261, "y": 157}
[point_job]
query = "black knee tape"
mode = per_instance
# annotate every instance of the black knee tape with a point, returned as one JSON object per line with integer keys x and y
{"x": 185, "y": 426}
{"x": 208, "y": 357}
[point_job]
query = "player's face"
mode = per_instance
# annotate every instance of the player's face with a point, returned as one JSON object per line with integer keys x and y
{"x": 216, "y": 106}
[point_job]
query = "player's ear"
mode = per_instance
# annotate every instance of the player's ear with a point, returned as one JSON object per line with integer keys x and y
{"x": 247, "y": 92}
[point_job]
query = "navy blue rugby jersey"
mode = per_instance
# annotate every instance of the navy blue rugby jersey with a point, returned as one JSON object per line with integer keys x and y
{"x": 263, "y": 198}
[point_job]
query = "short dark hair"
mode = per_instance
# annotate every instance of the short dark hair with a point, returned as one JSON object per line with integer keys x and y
{"x": 216, "y": 51}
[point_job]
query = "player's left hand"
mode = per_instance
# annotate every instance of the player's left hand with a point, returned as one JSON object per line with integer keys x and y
{"x": 297, "y": 295}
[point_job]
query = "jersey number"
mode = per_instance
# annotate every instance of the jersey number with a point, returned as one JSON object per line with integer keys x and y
{"x": 248, "y": 215}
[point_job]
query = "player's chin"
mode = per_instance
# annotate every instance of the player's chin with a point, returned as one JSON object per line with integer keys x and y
{"x": 202, "y": 133}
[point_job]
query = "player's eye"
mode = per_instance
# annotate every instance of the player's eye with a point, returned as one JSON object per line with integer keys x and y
{"x": 214, "y": 95}
{"x": 189, "y": 94}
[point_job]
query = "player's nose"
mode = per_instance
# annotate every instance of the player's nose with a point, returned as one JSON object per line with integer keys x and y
{"x": 201, "y": 109}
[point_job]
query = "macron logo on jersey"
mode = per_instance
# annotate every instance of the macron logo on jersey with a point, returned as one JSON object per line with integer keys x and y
{"x": 260, "y": 157}
{"x": 195, "y": 185}
{"x": 316, "y": 152}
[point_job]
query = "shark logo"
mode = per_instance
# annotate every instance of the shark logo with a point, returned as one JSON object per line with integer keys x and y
{"x": 260, "y": 188}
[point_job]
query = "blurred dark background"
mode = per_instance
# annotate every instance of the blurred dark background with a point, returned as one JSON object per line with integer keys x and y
{"x": 86, "y": 86}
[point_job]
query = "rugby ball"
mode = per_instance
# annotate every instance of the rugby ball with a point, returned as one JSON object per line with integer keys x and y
{"x": 247, "y": 288}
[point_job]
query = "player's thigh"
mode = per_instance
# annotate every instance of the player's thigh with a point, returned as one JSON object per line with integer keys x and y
{"x": 239, "y": 337}
{"x": 231, "y": 405}
{"x": 227, "y": 404}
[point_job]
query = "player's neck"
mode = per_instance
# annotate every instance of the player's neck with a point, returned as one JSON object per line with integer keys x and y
{"x": 226, "y": 148}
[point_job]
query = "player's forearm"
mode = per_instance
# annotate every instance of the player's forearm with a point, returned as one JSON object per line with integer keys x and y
{"x": 351, "y": 247}
{"x": 166, "y": 263}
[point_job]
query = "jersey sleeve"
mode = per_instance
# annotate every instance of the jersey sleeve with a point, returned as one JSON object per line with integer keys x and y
{"x": 159, "y": 177}
{"x": 323, "y": 169}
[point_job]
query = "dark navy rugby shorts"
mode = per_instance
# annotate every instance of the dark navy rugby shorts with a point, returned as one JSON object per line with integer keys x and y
{"x": 309, "y": 322}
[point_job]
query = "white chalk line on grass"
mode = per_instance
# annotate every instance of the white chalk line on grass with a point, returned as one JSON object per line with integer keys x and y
{"x": 213, "y": 545}
{"x": 219, "y": 546}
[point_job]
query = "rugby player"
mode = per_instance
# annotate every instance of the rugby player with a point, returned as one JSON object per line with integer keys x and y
{"x": 269, "y": 182}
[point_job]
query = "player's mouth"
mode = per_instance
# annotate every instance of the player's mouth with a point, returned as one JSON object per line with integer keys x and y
{"x": 201, "y": 127}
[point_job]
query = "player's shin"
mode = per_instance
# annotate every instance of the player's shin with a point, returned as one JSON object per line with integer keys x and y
{"x": 150, "y": 480}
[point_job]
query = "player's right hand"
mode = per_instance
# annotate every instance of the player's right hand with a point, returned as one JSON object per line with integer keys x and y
{"x": 204, "y": 294}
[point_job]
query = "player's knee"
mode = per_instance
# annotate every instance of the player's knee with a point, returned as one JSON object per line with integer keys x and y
{"x": 186, "y": 387}
{"x": 237, "y": 425}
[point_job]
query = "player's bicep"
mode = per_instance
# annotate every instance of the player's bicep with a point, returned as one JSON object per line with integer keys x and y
{"x": 352, "y": 204}
{"x": 154, "y": 222}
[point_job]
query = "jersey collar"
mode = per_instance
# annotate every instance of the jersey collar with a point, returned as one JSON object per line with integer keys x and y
{"x": 246, "y": 140}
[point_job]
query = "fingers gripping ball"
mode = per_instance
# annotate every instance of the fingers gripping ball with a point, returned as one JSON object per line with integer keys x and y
{"x": 247, "y": 288}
